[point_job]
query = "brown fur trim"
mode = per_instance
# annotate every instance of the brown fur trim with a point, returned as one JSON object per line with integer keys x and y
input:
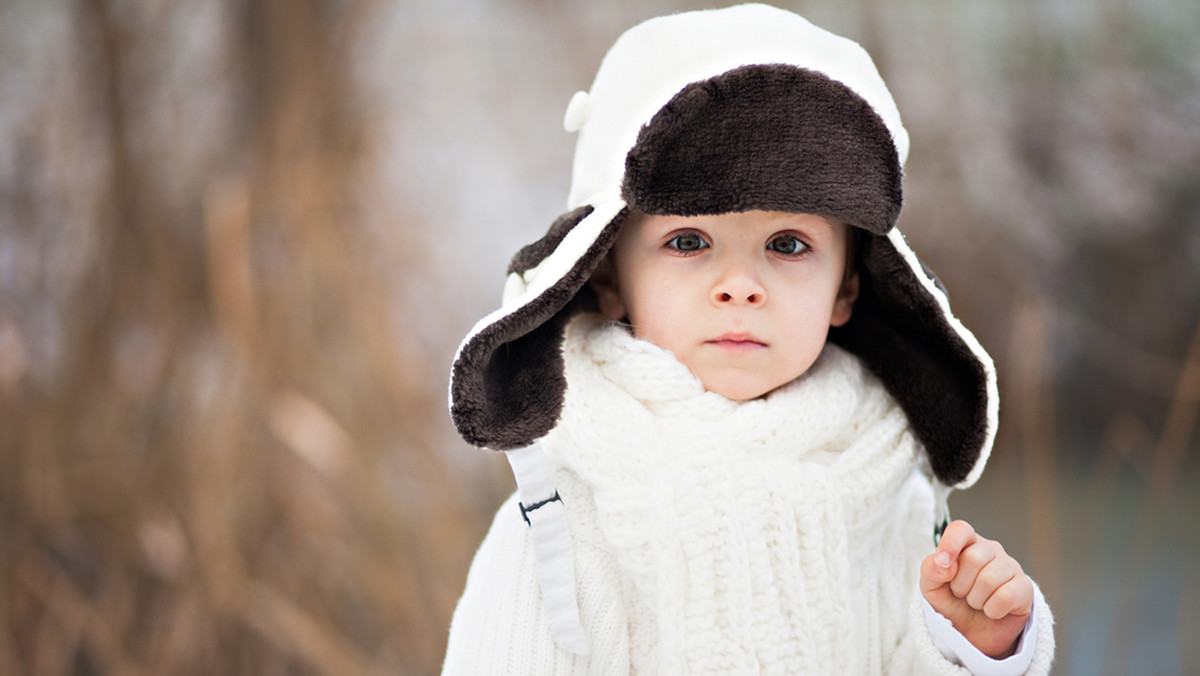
{"x": 508, "y": 382}
{"x": 774, "y": 137}
{"x": 900, "y": 333}
{"x": 528, "y": 257}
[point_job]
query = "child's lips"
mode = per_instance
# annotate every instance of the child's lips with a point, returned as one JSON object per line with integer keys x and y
{"x": 737, "y": 341}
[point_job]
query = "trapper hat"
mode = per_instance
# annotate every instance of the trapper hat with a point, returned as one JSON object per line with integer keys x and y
{"x": 707, "y": 112}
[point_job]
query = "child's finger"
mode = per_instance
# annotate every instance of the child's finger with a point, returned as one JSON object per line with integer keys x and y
{"x": 958, "y": 536}
{"x": 971, "y": 563}
{"x": 990, "y": 579}
{"x": 941, "y": 566}
{"x": 1014, "y": 597}
{"x": 933, "y": 576}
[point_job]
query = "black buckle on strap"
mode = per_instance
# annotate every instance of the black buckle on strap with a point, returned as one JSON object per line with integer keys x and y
{"x": 537, "y": 505}
{"x": 939, "y": 529}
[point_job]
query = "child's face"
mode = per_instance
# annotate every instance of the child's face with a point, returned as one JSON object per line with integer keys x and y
{"x": 745, "y": 300}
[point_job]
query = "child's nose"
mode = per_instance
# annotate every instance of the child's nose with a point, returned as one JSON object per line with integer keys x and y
{"x": 739, "y": 287}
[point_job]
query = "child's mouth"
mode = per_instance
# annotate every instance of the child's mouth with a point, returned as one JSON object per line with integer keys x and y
{"x": 737, "y": 341}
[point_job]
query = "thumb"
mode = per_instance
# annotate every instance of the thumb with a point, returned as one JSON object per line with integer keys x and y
{"x": 937, "y": 570}
{"x": 940, "y": 567}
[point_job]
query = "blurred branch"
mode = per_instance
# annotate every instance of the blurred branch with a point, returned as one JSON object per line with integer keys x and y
{"x": 1035, "y": 414}
{"x": 299, "y": 633}
{"x": 70, "y": 617}
{"x": 227, "y": 216}
{"x": 1180, "y": 423}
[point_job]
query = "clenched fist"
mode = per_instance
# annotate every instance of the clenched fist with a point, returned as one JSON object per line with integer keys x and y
{"x": 982, "y": 590}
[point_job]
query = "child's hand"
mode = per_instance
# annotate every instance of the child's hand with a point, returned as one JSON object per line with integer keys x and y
{"x": 982, "y": 590}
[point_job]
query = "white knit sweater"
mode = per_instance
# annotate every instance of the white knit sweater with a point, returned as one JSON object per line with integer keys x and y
{"x": 779, "y": 536}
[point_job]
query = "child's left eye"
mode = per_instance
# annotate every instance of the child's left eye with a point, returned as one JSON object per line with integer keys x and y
{"x": 787, "y": 244}
{"x": 688, "y": 242}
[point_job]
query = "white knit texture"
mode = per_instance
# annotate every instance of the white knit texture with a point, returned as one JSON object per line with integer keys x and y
{"x": 777, "y": 536}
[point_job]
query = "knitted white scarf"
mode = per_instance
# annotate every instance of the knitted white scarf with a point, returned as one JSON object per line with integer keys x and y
{"x": 731, "y": 521}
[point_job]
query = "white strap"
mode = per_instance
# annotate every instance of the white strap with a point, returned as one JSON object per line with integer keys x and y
{"x": 552, "y": 547}
{"x": 941, "y": 509}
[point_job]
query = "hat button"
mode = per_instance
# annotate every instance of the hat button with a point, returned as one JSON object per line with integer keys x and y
{"x": 578, "y": 112}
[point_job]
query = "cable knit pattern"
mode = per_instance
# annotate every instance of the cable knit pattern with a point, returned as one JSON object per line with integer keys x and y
{"x": 730, "y": 521}
{"x": 781, "y": 535}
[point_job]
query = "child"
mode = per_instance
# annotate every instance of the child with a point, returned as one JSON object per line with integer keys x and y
{"x": 733, "y": 399}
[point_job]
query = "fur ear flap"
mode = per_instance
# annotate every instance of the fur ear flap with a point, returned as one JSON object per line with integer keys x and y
{"x": 530, "y": 256}
{"x": 507, "y": 382}
{"x": 902, "y": 335}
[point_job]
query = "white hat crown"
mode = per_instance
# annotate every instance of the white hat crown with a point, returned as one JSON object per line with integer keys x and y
{"x": 691, "y": 47}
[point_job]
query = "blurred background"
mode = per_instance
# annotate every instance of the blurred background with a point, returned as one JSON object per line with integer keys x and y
{"x": 240, "y": 241}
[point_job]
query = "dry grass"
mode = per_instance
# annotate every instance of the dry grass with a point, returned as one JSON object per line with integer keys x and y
{"x": 221, "y": 469}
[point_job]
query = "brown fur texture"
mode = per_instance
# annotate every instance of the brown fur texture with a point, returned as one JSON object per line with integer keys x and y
{"x": 529, "y": 256}
{"x": 772, "y": 137}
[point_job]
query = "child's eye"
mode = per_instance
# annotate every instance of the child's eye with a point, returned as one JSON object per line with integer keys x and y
{"x": 788, "y": 245}
{"x": 687, "y": 242}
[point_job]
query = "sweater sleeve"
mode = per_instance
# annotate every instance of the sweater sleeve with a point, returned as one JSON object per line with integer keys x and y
{"x": 499, "y": 626}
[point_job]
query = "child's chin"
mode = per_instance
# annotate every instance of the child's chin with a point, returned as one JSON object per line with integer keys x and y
{"x": 741, "y": 391}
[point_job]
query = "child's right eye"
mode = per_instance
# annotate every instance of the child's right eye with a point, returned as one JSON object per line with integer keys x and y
{"x": 688, "y": 241}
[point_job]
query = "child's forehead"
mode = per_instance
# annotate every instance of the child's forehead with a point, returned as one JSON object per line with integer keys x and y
{"x": 735, "y": 221}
